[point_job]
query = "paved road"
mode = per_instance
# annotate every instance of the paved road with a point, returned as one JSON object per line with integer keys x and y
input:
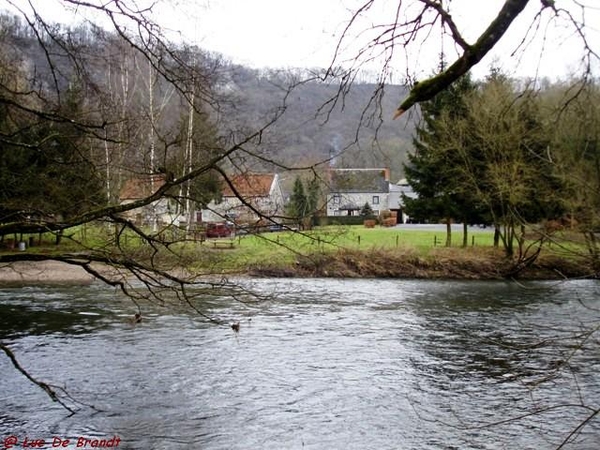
{"x": 441, "y": 227}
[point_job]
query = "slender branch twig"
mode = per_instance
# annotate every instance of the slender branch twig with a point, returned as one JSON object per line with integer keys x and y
{"x": 47, "y": 388}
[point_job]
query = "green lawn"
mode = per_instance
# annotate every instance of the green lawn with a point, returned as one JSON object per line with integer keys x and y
{"x": 279, "y": 249}
{"x": 282, "y": 248}
{"x": 357, "y": 237}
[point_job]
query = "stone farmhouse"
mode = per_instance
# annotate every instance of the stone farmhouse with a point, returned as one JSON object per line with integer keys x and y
{"x": 246, "y": 198}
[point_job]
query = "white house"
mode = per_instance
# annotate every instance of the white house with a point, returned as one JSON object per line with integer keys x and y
{"x": 350, "y": 189}
{"x": 246, "y": 198}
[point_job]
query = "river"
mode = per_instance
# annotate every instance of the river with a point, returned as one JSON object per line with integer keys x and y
{"x": 320, "y": 364}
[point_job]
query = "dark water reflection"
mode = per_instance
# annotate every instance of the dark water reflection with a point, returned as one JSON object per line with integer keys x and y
{"x": 326, "y": 364}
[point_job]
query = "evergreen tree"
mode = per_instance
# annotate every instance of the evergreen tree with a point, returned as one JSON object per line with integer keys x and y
{"x": 366, "y": 210}
{"x": 298, "y": 205}
{"x": 431, "y": 169}
{"x": 505, "y": 165}
{"x": 44, "y": 170}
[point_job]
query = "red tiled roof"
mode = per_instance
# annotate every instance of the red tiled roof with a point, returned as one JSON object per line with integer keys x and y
{"x": 142, "y": 186}
{"x": 250, "y": 185}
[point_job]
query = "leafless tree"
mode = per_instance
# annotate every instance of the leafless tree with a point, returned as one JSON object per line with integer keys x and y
{"x": 410, "y": 25}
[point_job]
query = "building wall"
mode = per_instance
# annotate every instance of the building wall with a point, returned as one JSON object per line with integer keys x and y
{"x": 160, "y": 211}
{"x": 358, "y": 199}
{"x": 232, "y": 207}
{"x": 277, "y": 199}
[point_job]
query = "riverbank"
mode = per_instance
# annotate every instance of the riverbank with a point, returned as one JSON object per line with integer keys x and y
{"x": 456, "y": 264}
{"x": 43, "y": 272}
{"x": 442, "y": 263}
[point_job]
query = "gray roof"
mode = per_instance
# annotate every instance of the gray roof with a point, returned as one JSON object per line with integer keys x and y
{"x": 358, "y": 181}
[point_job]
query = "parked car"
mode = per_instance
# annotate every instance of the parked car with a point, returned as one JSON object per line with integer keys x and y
{"x": 218, "y": 230}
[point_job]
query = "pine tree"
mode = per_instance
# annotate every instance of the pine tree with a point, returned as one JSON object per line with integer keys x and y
{"x": 431, "y": 169}
{"x": 514, "y": 176}
{"x": 47, "y": 171}
{"x": 298, "y": 205}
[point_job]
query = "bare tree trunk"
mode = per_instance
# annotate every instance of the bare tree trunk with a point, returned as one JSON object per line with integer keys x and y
{"x": 107, "y": 162}
{"x": 151, "y": 122}
{"x": 189, "y": 153}
{"x": 508, "y": 239}
{"x": 153, "y": 217}
{"x": 106, "y": 149}
{"x": 125, "y": 92}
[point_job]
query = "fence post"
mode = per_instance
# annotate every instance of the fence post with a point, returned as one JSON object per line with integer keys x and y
{"x": 359, "y": 239}
{"x": 435, "y": 240}
{"x": 397, "y": 240}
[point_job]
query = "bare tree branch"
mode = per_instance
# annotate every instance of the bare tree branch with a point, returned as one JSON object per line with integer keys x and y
{"x": 449, "y": 22}
{"x": 50, "y": 390}
{"x": 427, "y": 89}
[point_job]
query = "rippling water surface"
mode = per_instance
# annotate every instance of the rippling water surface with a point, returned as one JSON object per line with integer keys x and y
{"x": 323, "y": 364}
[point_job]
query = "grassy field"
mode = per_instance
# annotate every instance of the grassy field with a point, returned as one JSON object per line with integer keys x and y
{"x": 327, "y": 251}
{"x": 283, "y": 248}
{"x": 359, "y": 237}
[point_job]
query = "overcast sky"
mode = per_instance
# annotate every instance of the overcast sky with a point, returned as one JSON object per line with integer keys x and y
{"x": 304, "y": 33}
{"x": 288, "y": 33}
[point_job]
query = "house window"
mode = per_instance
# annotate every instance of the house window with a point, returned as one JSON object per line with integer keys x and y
{"x": 336, "y": 199}
{"x": 336, "y": 212}
{"x": 375, "y": 200}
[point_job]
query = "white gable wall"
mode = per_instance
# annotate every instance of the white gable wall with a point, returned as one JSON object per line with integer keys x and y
{"x": 233, "y": 206}
{"x": 359, "y": 199}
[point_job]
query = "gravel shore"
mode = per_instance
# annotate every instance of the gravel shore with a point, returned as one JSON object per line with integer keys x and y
{"x": 43, "y": 272}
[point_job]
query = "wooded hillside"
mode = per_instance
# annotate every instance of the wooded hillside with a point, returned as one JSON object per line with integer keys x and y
{"x": 353, "y": 130}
